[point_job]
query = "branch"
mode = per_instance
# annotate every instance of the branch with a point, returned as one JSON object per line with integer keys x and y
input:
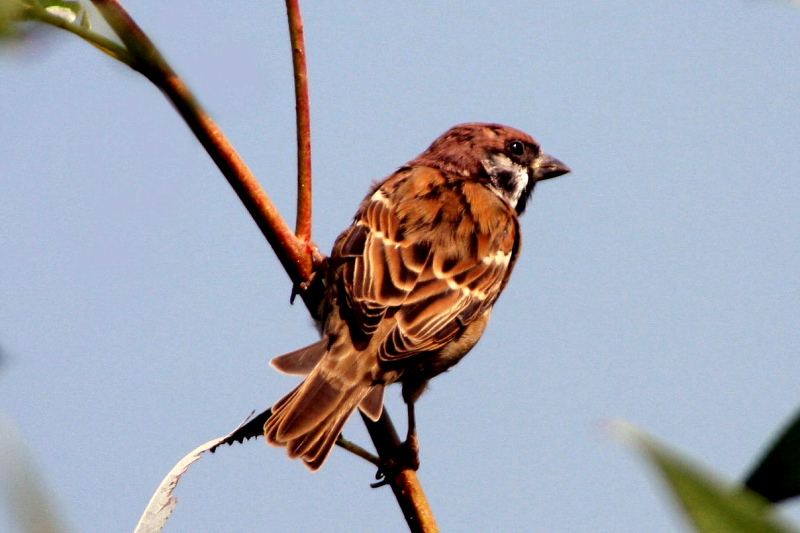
{"x": 303, "y": 111}
{"x": 299, "y": 258}
{"x": 405, "y": 483}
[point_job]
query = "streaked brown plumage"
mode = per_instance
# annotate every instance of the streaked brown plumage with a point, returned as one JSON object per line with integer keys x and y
{"x": 411, "y": 282}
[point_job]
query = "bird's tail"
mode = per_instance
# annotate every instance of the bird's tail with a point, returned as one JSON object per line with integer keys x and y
{"x": 309, "y": 419}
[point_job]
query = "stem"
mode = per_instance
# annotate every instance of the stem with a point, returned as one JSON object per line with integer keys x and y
{"x": 355, "y": 449}
{"x": 303, "y": 111}
{"x": 298, "y": 257}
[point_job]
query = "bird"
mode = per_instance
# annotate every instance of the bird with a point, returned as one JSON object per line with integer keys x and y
{"x": 411, "y": 283}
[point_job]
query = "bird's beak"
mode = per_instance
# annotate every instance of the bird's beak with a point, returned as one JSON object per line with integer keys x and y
{"x": 546, "y": 167}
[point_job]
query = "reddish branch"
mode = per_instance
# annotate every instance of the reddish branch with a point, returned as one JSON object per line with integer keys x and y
{"x": 298, "y": 257}
{"x": 303, "y": 111}
{"x": 405, "y": 483}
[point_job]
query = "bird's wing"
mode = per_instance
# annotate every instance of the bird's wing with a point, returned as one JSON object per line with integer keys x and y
{"x": 430, "y": 253}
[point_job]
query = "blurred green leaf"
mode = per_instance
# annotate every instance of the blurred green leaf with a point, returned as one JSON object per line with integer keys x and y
{"x": 710, "y": 505}
{"x": 776, "y": 476}
{"x": 16, "y": 15}
{"x": 28, "y": 501}
{"x": 9, "y": 15}
{"x": 72, "y": 11}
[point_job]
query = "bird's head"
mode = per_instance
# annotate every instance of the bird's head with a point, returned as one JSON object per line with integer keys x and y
{"x": 509, "y": 160}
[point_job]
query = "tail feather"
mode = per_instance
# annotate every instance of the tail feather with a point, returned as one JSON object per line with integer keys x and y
{"x": 372, "y": 404}
{"x": 301, "y": 362}
{"x": 314, "y": 448}
{"x": 318, "y": 454}
{"x": 309, "y": 419}
{"x": 309, "y": 406}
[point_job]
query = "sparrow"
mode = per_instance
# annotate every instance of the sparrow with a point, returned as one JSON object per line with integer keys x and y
{"x": 410, "y": 285}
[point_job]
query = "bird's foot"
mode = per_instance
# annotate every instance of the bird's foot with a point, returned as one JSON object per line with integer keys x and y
{"x": 319, "y": 267}
{"x": 405, "y": 457}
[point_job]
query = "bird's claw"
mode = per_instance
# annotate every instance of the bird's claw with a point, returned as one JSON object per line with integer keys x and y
{"x": 320, "y": 264}
{"x": 301, "y": 287}
{"x": 382, "y": 479}
{"x": 406, "y": 457}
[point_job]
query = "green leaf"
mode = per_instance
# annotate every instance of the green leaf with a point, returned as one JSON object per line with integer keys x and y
{"x": 29, "y": 503}
{"x": 776, "y": 476}
{"x": 15, "y": 16}
{"x": 73, "y": 11}
{"x": 9, "y": 15}
{"x": 710, "y": 505}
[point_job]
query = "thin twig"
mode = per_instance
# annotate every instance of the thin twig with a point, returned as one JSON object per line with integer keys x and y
{"x": 355, "y": 449}
{"x": 303, "y": 112}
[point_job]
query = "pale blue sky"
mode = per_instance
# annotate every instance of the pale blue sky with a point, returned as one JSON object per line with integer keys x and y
{"x": 139, "y": 305}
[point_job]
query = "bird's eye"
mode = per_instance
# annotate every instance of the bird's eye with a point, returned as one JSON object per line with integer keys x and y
{"x": 517, "y": 148}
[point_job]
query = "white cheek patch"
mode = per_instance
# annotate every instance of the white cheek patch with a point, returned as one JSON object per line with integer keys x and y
{"x": 510, "y": 179}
